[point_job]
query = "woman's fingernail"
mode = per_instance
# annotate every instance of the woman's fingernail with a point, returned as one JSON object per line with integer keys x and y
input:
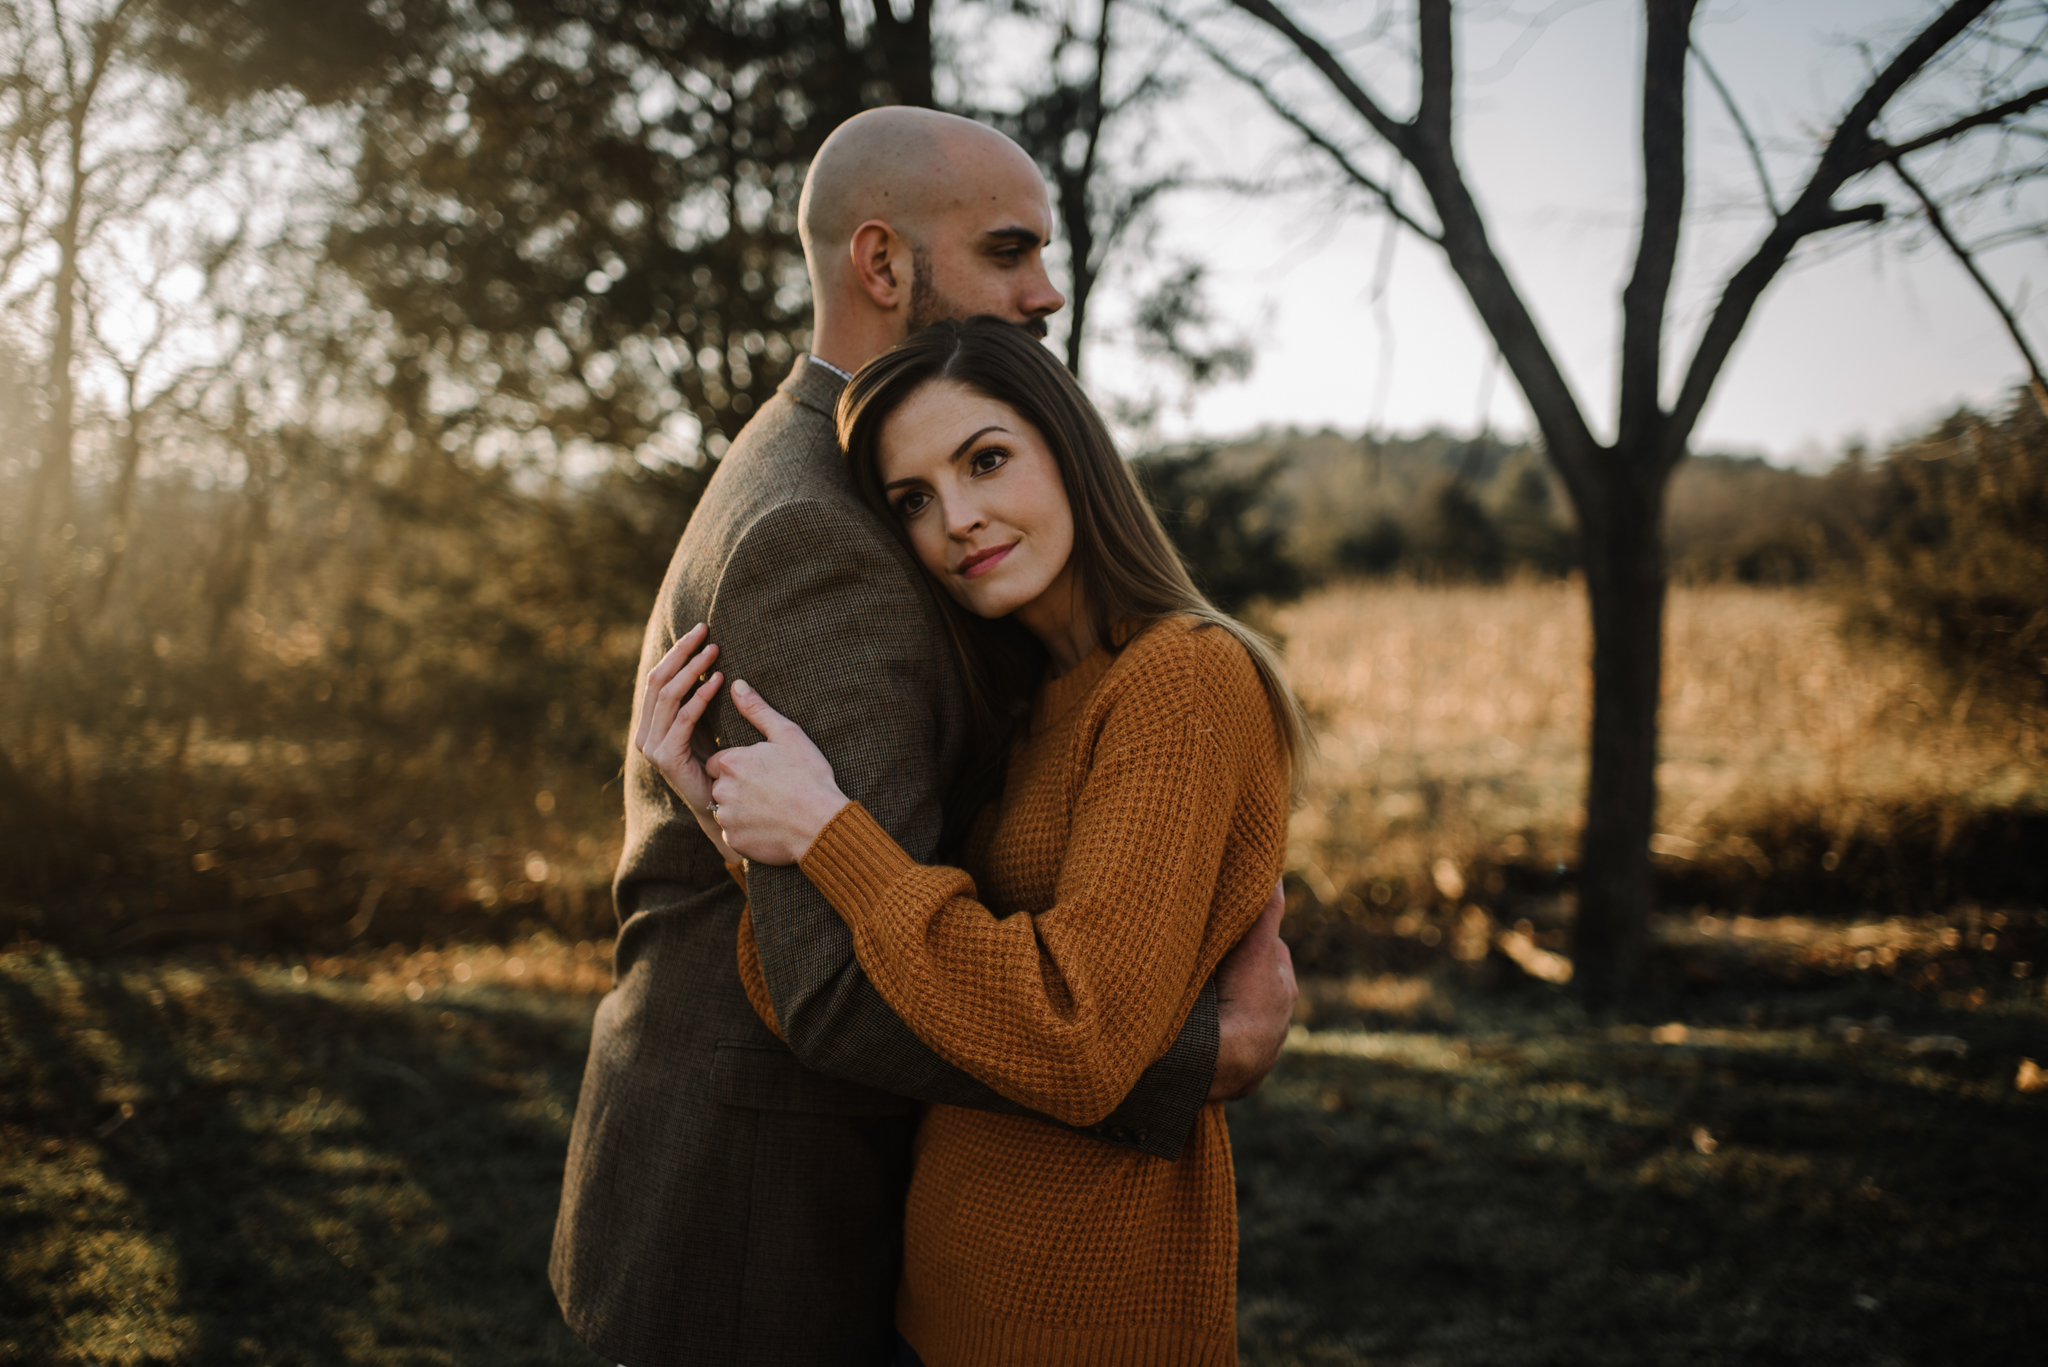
{"x": 740, "y": 686}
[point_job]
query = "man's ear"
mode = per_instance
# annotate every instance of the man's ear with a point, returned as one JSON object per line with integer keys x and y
{"x": 882, "y": 264}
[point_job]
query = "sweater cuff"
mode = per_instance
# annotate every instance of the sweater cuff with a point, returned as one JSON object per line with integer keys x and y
{"x": 854, "y": 861}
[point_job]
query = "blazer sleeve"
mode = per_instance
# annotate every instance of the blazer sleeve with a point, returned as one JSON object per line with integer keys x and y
{"x": 822, "y": 617}
{"x": 1062, "y": 1009}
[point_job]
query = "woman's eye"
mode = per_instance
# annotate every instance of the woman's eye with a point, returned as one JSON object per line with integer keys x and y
{"x": 910, "y": 505}
{"x": 987, "y": 460}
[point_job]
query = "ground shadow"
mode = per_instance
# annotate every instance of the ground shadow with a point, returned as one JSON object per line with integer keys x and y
{"x": 302, "y": 1177}
{"x": 1545, "y": 1203}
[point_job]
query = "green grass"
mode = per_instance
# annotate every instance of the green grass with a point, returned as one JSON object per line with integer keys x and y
{"x": 1523, "y": 1188}
{"x": 317, "y": 1172}
{"x": 216, "y": 1161}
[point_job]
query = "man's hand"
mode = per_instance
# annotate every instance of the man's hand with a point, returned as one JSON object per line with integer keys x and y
{"x": 1255, "y": 999}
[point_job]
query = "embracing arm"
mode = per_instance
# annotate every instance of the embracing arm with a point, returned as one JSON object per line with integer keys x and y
{"x": 1062, "y": 1009}
{"x": 1172, "y": 775}
{"x": 831, "y": 637}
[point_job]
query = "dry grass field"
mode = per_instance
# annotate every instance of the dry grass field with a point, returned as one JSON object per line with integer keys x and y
{"x": 1817, "y": 795}
{"x": 1821, "y": 1149}
{"x": 1453, "y": 723}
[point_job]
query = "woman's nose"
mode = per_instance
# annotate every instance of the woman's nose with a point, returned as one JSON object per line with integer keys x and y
{"x": 963, "y": 519}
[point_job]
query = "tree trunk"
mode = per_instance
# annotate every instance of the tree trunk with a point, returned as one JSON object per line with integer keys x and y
{"x": 129, "y": 449}
{"x": 1080, "y": 229}
{"x": 50, "y": 488}
{"x": 1077, "y": 194}
{"x": 902, "y": 50}
{"x": 52, "y": 494}
{"x": 1625, "y": 581}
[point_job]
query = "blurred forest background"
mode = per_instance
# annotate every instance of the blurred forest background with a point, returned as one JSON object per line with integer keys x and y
{"x": 360, "y": 365}
{"x": 364, "y": 367}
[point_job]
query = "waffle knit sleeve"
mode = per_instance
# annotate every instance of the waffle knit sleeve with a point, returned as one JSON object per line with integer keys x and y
{"x": 752, "y": 980}
{"x": 1062, "y": 1009}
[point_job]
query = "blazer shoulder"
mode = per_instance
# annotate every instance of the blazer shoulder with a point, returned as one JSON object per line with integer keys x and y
{"x": 786, "y": 455}
{"x": 819, "y": 532}
{"x": 785, "y": 430}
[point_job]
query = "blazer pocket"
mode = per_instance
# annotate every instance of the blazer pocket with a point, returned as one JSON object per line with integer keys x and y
{"x": 763, "y": 1078}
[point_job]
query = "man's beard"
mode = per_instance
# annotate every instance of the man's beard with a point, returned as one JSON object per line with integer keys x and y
{"x": 928, "y": 305}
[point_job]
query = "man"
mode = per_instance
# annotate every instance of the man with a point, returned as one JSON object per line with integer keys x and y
{"x": 730, "y": 1199}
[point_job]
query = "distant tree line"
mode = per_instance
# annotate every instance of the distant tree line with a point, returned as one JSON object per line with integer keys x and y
{"x": 1940, "y": 542}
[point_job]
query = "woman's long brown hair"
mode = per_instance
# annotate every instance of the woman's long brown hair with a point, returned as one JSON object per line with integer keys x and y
{"x": 1127, "y": 566}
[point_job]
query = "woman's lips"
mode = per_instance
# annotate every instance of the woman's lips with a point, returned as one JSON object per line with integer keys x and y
{"x": 981, "y": 562}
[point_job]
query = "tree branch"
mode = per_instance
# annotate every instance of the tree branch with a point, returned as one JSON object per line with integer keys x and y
{"x": 1939, "y": 222}
{"x": 1668, "y": 36}
{"x": 1357, "y": 174}
{"x": 1432, "y": 151}
{"x": 1756, "y": 151}
{"x": 1334, "y": 71}
{"x": 1849, "y": 149}
{"x": 1436, "y": 42}
{"x": 1847, "y": 155}
{"x": 1998, "y": 113}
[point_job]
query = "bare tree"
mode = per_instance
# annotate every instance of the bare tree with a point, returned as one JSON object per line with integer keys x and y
{"x": 117, "y": 286}
{"x": 1083, "y": 125}
{"x": 88, "y": 142}
{"x": 1618, "y": 487}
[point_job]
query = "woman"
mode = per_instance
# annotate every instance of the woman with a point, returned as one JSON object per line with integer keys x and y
{"x": 1138, "y": 747}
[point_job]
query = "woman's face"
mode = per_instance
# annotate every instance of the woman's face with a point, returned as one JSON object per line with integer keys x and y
{"x": 981, "y": 497}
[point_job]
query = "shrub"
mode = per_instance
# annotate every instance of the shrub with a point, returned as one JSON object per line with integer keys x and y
{"x": 1224, "y": 524}
{"x": 1957, "y": 561}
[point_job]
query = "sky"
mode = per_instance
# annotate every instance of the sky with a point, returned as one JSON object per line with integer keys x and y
{"x": 1864, "y": 339}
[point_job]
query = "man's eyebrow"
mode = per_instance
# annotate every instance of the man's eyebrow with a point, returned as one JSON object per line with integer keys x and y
{"x": 1017, "y": 233}
{"x": 958, "y": 452}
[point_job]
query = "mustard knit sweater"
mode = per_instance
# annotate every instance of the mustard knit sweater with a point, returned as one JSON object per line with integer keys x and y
{"x": 1141, "y": 828}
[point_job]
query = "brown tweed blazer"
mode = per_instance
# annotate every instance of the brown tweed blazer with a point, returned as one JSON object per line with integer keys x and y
{"x": 730, "y": 1199}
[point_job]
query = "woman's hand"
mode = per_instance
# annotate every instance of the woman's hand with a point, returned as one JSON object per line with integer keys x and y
{"x": 678, "y": 691}
{"x": 772, "y": 798}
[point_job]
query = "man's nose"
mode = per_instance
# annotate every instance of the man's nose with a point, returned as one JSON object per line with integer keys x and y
{"x": 1041, "y": 298}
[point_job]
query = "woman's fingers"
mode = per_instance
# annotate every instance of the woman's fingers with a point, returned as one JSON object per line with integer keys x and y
{"x": 666, "y": 668}
{"x": 672, "y": 750}
{"x": 773, "y": 797}
{"x": 693, "y": 710}
{"x": 671, "y": 662}
{"x": 687, "y": 679}
{"x": 770, "y": 723}
{"x": 667, "y": 699}
{"x": 675, "y": 679}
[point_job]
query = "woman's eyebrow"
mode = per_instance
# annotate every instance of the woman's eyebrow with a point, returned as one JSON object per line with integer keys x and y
{"x": 958, "y": 452}
{"x": 961, "y": 449}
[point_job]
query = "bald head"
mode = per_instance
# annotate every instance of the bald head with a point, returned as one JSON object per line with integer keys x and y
{"x": 909, "y": 215}
{"x": 905, "y": 167}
